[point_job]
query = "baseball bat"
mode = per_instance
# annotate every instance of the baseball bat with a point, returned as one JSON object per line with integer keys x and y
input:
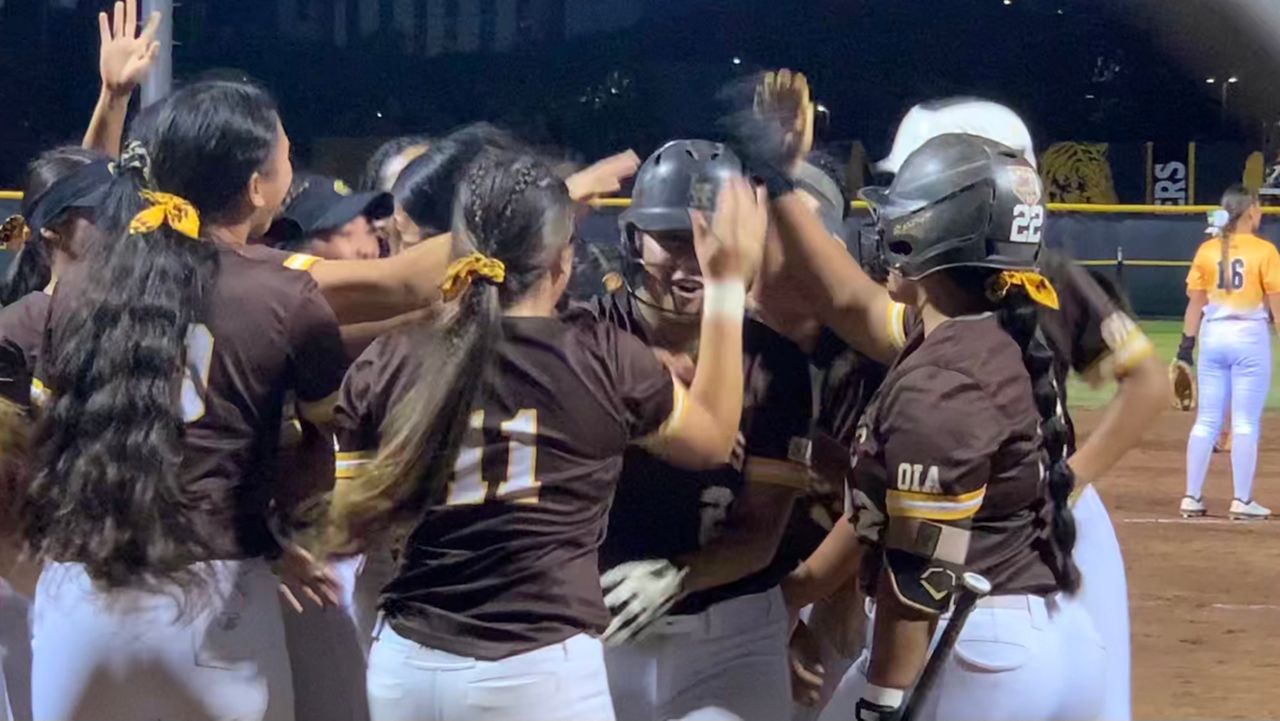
{"x": 975, "y": 587}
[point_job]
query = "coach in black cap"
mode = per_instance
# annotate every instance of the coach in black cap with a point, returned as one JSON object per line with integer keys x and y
{"x": 323, "y": 217}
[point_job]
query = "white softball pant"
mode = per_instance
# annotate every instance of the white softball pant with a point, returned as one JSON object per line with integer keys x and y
{"x": 1104, "y": 593}
{"x": 1234, "y": 366}
{"x": 1018, "y": 658}
{"x": 728, "y": 663}
{"x": 561, "y": 682}
{"x": 15, "y": 655}
{"x": 376, "y": 569}
{"x": 131, "y": 655}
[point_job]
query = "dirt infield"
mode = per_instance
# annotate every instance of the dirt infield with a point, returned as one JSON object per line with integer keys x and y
{"x": 1204, "y": 594}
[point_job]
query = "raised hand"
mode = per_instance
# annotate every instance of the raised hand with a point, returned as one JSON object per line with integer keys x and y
{"x": 604, "y": 177}
{"x": 782, "y": 98}
{"x": 731, "y": 243}
{"x": 126, "y": 54}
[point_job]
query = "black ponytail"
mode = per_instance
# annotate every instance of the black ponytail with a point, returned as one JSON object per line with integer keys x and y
{"x": 511, "y": 208}
{"x": 107, "y": 492}
{"x": 1019, "y": 317}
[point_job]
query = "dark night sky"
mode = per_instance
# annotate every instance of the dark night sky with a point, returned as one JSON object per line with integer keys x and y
{"x": 869, "y": 60}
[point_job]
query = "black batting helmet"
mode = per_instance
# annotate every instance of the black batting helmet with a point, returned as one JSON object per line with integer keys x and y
{"x": 680, "y": 175}
{"x": 960, "y": 200}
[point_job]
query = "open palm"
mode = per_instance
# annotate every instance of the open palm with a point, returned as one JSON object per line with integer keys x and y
{"x": 782, "y": 97}
{"x": 126, "y": 55}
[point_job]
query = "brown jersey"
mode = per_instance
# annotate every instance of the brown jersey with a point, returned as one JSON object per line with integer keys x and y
{"x": 294, "y": 261}
{"x": 508, "y": 563}
{"x": 22, "y": 325}
{"x": 663, "y": 511}
{"x": 949, "y": 471}
{"x": 1090, "y": 334}
{"x": 265, "y": 330}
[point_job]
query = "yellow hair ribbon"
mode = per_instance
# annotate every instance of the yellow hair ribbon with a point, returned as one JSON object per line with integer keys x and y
{"x": 14, "y": 232}
{"x": 1037, "y": 286}
{"x": 168, "y": 210}
{"x": 465, "y": 269}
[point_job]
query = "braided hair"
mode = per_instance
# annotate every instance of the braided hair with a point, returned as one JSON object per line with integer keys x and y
{"x": 510, "y": 208}
{"x": 1237, "y": 201}
{"x": 1019, "y": 316}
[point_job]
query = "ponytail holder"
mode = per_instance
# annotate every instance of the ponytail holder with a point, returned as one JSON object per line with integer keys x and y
{"x": 467, "y": 268}
{"x": 1037, "y": 286}
{"x": 14, "y": 232}
{"x": 1218, "y": 220}
{"x": 134, "y": 157}
{"x": 166, "y": 209}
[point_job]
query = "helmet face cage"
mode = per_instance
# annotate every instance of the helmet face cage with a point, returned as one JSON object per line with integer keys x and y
{"x": 681, "y": 175}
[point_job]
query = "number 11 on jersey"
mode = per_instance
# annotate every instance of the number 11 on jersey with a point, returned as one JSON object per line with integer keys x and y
{"x": 520, "y": 484}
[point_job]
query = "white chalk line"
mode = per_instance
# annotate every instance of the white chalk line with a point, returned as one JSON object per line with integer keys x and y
{"x": 1216, "y": 606}
{"x": 1198, "y": 521}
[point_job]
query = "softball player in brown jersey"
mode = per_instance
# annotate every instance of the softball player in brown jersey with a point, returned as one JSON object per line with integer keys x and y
{"x": 165, "y": 369}
{"x": 1091, "y": 334}
{"x": 493, "y": 444}
{"x": 961, "y": 461}
{"x": 690, "y": 567}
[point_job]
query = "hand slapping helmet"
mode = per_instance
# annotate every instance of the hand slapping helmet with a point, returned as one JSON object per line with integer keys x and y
{"x": 681, "y": 175}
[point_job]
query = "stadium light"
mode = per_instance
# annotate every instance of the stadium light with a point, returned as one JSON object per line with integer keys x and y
{"x": 737, "y": 60}
{"x": 1211, "y": 81}
{"x": 1233, "y": 79}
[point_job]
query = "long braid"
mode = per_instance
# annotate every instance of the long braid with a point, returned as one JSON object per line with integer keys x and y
{"x": 1019, "y": 318}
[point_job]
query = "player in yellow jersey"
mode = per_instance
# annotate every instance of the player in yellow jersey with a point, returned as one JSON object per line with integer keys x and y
{"x": 1234, "y": 279}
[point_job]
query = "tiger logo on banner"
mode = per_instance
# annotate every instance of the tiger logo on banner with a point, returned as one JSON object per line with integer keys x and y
{"x": 1077, "y": 173}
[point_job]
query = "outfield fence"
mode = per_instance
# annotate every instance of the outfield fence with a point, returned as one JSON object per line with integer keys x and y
{"x": 1145, "y": 248}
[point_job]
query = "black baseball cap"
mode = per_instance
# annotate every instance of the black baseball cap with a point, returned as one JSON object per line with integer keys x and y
{"x": 318, "y": 203}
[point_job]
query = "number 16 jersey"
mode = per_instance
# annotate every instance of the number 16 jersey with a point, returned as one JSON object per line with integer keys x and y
{"x": 1237, "y": 284}
{"x": 507, "y": 563}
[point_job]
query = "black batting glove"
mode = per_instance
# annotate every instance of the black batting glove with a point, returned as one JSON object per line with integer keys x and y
{"x": 870, "y": 711}
{"x": 1185, "y": 349}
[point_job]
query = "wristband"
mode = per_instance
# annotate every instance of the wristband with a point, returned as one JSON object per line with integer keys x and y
{"x": 891, "y": 697}
{"x": 1188, "y": 343}
{"x": 1185, "y": 348}
{"x": 776, "y": 183}
{"x": 725, "y": 299}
